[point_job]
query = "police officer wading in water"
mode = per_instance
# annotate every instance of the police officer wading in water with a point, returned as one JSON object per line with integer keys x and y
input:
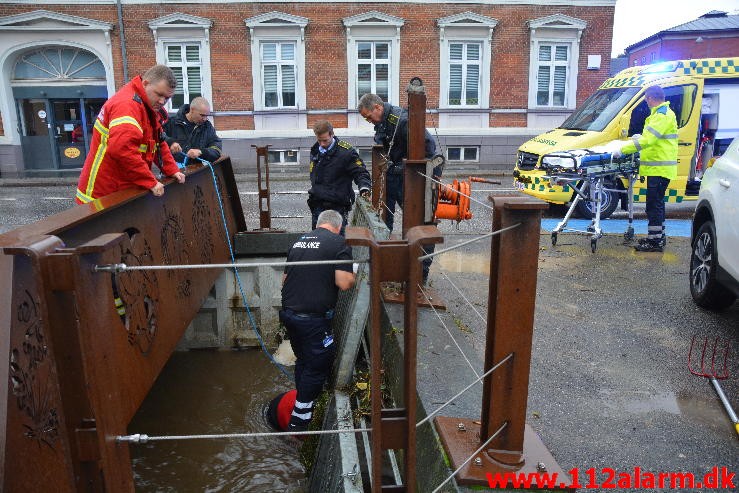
{"x": 309, "y": 296}
{"x": 334, "y": 164}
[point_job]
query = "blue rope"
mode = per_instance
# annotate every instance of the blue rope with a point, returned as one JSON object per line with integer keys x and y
{"x": 236, "y": 272}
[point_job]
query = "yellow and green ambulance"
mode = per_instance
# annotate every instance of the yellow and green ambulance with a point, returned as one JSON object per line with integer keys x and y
{"x": 703, "y": 93}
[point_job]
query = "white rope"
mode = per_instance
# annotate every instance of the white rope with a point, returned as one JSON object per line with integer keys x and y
{"x": 458, "y": 245}
{"x": 428, "y": 300}
{"x": 438, "y": 409}
{"x": 124, "y": 267}
{"x": 141, "y": 438}
{"x": 464, "y": 297}
{"x": 455, "y": 191}
{"x": 471, "y": 456}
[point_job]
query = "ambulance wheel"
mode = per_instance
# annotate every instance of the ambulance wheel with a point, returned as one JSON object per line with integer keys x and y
{"x": 586, "y": 208}
{"x": 593, "y": 245}
{"x": 554, "y": 239}
{"x": 707, "y": 292}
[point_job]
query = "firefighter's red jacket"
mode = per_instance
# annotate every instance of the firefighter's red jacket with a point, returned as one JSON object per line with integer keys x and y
{"x": 127, "y": 139}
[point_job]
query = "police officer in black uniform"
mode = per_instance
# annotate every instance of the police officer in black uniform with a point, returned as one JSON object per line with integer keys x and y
{"x": 391, "y": 132}
{"x": 334, "y": 164}
{"x": 309, "y": 296}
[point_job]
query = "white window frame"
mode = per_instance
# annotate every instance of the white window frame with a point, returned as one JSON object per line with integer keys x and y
{"x": 466, "y": 27}
{"x": 461, "y": 154}
{"x": 184, "y": 29}
{"x": 184, "y": 65}
{"x": 372, "y": 27}
{"x": 555, "y": 29}
{"x": 278, "y": 27}
{"x": 465, "y": 62}
{"x": 282, "y": 160}
{"x": 553, "y": 63}
{"x": 373, "y": 62}
{"x": 279, "y": 62}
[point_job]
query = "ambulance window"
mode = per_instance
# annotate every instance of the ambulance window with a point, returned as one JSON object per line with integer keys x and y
{"x": 681, "y": 99}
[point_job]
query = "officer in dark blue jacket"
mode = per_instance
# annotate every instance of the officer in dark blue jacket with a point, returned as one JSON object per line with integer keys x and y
{"x": 190, "y": 133}
{"x": 334, "y": 164}
{"x": 391, "y": 132}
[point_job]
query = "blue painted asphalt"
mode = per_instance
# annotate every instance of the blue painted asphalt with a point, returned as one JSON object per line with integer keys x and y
{"x": 674, "y": 227}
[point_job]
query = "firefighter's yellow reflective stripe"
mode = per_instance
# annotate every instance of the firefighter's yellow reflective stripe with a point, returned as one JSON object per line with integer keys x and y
{"x": 143, "y": 148}
{"x": 656, "y": 133}
{"x": 119, "y": 307}
{"x": 101, "y": 128}
{"x": 99, "y": 155}
{"x": 83, "y": 197}
{"x": 126, "y": 119}
{"x": 215, "y": 149}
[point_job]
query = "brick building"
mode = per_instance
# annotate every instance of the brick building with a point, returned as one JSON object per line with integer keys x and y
{"x": 496, "y": 71}
{"x": 712, "y": 35}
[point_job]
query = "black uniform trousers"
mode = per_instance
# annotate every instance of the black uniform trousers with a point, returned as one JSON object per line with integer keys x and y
{"x": 655, "y": 207}
{"x": 312, "y": 342}
{"x": 317, "y": 207}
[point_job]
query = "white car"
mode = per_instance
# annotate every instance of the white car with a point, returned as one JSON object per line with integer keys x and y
{"x": 714, "y": 261}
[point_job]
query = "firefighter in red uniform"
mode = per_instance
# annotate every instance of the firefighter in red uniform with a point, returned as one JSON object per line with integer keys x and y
{"x": 127, "y": 139}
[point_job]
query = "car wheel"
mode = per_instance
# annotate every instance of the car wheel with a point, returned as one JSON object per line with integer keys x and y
{"x": 586, "y": 209}
{"x": 706, "y": 290}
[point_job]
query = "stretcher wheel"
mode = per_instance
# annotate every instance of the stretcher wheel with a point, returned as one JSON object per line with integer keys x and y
{"x": 554, "y": 239}
{"x": 593, "y": 244}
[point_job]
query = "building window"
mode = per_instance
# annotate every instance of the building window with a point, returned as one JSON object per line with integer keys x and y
{"x": 185, "y": 61}
{"x": 278, "y": 74}
{"x": 555, "y": 54}
{"x": 652, "y": 57}
{"x": 464, "y": 74}
{"x": 365, "y": 154}
{"x": 372, "y": 60}
{"x": 289, "y": 156}
{"x": 373, "y": 68}
{"x": 643, "y": 60}
{"x": 458, "y": 154}
{"x": 183, "y": 44}
{"x": 551, "y": 74}
{"x": 277, "y": 42}
{"x": 465, "y": 66}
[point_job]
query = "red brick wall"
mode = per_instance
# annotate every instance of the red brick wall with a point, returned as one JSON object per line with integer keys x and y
{"x": 680, "y": 49}
{"x": 325, "y": 38}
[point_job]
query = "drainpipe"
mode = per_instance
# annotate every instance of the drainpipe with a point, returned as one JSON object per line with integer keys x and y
{"x": 123, "y": 41}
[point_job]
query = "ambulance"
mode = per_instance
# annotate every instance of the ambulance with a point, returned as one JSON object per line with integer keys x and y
{"x": 703, "y": 93}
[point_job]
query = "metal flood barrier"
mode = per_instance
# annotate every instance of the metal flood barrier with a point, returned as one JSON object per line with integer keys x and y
{"x": 81, "y": 348}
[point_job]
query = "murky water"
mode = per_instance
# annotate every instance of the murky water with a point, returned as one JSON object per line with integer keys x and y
{"x": 207, "y": 392}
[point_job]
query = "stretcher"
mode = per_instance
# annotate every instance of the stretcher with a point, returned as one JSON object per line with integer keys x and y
{"x": 589, "y": 174}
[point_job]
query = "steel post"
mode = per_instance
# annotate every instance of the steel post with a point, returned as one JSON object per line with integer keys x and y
{"x": 265, "y": 213}
{"x": 394, "y": 261}
{"x": 414, "y": 183}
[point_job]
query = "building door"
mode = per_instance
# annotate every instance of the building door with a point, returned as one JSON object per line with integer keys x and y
{"x": 58, "y": 92}
{"x": 56, "y": 133}
{"x": 36, "y": 134}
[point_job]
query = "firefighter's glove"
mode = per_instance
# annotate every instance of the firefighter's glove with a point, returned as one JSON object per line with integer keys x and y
{"x": 617, "y": 154}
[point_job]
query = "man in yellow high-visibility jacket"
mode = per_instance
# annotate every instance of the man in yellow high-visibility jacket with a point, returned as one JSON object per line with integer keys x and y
{"x": 657, "y": 146}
